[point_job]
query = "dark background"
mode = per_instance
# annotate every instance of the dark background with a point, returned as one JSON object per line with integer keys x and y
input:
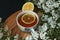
{"x": 7, "y": 7}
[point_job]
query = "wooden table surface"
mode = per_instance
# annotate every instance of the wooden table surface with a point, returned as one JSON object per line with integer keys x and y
{"x": 11, "y": 22}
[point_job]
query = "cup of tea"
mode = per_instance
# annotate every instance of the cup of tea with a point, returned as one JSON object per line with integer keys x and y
{"x": 27, "y": 20}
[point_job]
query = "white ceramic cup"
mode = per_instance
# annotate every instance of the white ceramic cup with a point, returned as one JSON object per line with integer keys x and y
{"x": 27, "y": 29}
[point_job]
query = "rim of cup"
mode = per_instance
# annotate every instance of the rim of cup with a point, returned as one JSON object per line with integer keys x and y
{"x": 27, "y": 11}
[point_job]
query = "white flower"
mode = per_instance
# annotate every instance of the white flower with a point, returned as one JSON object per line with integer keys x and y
{"x": 54, "y": 38}
{"x": 28, "y": 38}
{"x": 43, "y": 35}
{"x": 42, "y": 1}
{"x": 49, "y": 4}
{"x": 39, "y": 5}
{"x": 49, "y": 19}
{"x": 56, "y": 4}
{"x": 55, "y": 16}
{"x": 43, "y": 28}
{"x": 8, "y": 38}
{"x": 53, "y": 12}
{"x": 53, "y": 25}
{"x": 16, "y": 37}
{"x": 46, "y": 9}
{"x": 51, "y": 22}
{"x": 1, "y": 35}
{"x": 35, "y": 35}
{"x": 58, "y": 24}
{"x": 44, "y": 17}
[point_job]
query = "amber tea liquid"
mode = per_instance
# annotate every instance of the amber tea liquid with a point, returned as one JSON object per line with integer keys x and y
{"x": 27, "y": 20}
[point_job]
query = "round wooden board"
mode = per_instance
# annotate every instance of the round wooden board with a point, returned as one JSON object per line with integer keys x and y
{"x": 11, "y": 22}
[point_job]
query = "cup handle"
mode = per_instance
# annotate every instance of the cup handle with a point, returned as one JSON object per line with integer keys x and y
{"x": 34, "y": 34}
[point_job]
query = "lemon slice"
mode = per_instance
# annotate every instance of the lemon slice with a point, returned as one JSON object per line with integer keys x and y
{"x": 28, "y": 18}
{"x": 28, "y": 6}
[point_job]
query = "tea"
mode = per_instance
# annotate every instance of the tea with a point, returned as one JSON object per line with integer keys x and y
{"x": 27, "y": 20}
